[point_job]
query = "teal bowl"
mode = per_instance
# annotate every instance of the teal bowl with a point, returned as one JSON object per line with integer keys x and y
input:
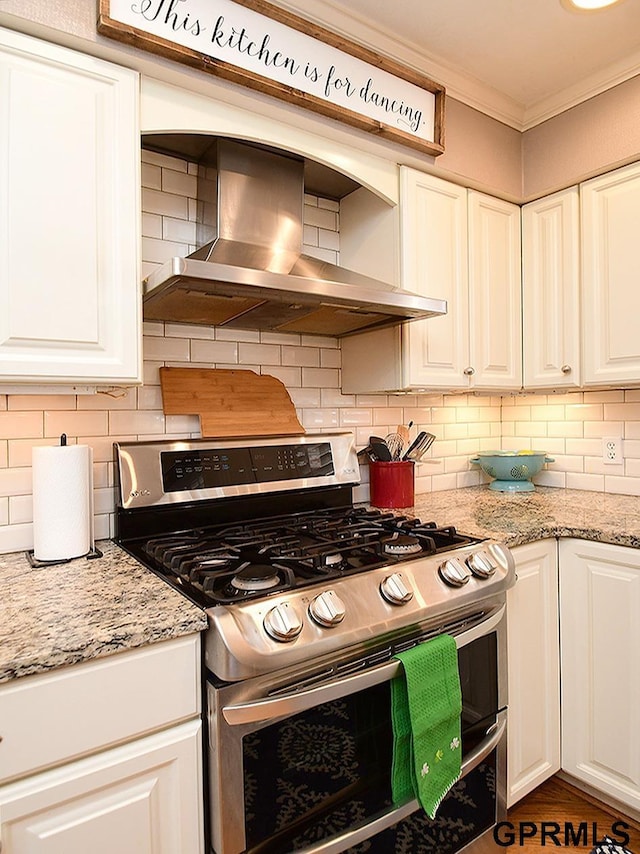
{"x": 512, "y": 470}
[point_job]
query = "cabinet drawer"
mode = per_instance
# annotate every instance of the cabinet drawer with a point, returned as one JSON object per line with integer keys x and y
{"x": 49, "y": 719}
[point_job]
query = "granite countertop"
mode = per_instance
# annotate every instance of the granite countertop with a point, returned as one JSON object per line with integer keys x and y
{"x": 60, "y": 615}
{"x": 518, "y": 518}
{"x": 73, "y": 612}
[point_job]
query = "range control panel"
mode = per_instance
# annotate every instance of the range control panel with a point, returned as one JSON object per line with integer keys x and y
{"x": 192, "y": 469}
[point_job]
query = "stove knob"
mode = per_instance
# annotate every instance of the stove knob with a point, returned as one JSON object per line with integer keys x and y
{"x": 395, "y": 591}
{"x": 454, "y": 572}
{"x": 327, "y": 609}
{"x": 481, "y": 564}
{"x": 282, "y": 623}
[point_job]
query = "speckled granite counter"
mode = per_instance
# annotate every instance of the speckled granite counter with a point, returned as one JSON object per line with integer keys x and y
{"x": 517, "y": 518}
{"x": 84, "y": 609}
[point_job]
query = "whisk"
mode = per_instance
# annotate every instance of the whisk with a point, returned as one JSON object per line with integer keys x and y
{"x": 395, "y": 443}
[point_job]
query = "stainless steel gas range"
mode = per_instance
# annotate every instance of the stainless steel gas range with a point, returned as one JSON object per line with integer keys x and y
{"x": 309, "y": 598}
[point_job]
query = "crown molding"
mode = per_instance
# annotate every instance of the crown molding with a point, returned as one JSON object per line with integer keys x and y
{"x": 459, "y": 84}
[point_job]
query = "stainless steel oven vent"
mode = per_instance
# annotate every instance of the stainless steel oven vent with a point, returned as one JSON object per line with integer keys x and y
{"x": 250, "y": 271}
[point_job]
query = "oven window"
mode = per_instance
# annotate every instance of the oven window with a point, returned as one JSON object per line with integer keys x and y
{"x": 321, "y": 772}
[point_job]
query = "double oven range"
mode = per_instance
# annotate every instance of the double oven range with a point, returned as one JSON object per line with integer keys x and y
{"x": 308, "y": 599}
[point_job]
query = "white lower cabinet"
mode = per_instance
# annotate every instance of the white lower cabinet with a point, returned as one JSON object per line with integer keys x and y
{"x": 105, "y": 756}
{"x": 600, "y": 653}
{"x": 141, "y": 797}
{"x": 533, "y": 752}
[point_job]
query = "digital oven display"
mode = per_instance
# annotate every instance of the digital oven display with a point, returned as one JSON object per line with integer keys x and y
{"x": 183, "y": 471}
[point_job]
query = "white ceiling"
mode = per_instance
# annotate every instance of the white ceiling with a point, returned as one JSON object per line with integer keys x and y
{"x": 521, "y": 61}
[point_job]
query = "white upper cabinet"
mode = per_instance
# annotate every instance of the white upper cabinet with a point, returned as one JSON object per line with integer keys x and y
{"x": 495, "y": 314}
{"x": 551, "y": 291}
{"x": 610, "y": 293}
{"x": 463, "y": 247}
{"x": 434, "y": 262}
{"x": 69, "y": 216}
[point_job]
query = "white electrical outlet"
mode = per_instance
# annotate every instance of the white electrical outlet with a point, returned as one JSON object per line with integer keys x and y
{"x": 612, "y": 450}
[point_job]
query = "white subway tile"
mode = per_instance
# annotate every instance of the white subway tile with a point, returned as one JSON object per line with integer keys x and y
{"x": 4, "y": 511}
{"x": 310, "y": 200}
{"x": 290, "y": 339}
{"x": 321, "y": 377}
{"x": 179, "y": 183}
{"x": 15, "y": 482}
{"x": 153, "y": 327}
{"x": 310, "y": 236}
{"x": 389, "y": 417}
{"x": 167, "y": 161}
{"x": 259, "y": 354}
{"x": 319, "y": 341}
{"x": 584, "y": 447}
{"x": 151, "y": 372}
{"x": 179, "y": 231}
{"x": 355, "y": 417}
{"x": 304, "y": 397}
{"x": 319, "y": 418}
{"x": 149, "y": 397}
{"x": 20, "y": 509}
{"x": 151, "y": 176}
{"x": 598, "y": 429}
{"x": 327, "y": 255}
{"x": 104, "y": 500}
{"x": 321, "y": 217}
{"x": 551, "y": 478}
{"x": 245, "y": 335}
{"x": 328, "y": 239}
{"x": 136, "y": 422}
{"x": 623, "y": 485}
{"x": 590, "y": 482}
{"x": 20, "y": 450}
{"x": 156, "y": 202}
{"x": 4, "y": 453}
{"x": 24, "y": 402}
{"x": 16, "y": 538}
{"x": 302, "y": 356}
{"x": 587, "y": 411}
{"x": 334, "y": 397}
{"x": 441, "y": 482}
{"x": 3, "y": 402}
{"x": 121, "y": 398}
{"x": 152, "y": 226}
{"x": 21, "y": 424}
{"x": 183, "y": 424}
{"x": 214, "y": 351}
{"x": 330, "y": 358}
{"x": 102, "y": 475}
{"x": 291, "y": 377}
{"x": 372, "y": 400}
{"x": 75, "y": 423}
{"x": 159, "y": 251}
{"x": 166, "y": 349}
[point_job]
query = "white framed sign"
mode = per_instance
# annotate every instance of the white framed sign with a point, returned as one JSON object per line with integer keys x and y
{"x": 256, "y": 44}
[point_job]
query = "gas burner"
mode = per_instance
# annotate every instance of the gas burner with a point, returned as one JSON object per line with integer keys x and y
{"x": 333, "y": 561}
{"x": 401, "y": 544}
{"x": 255, "y": 577}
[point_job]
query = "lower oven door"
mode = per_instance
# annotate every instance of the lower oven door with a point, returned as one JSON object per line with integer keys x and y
{"x": 303, "y": 763}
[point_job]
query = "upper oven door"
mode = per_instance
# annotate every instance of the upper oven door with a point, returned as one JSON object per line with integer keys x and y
{"x": 306, "y": 766}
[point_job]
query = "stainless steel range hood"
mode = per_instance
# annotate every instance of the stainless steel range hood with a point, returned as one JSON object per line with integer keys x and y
{"x": 250, "y": 272}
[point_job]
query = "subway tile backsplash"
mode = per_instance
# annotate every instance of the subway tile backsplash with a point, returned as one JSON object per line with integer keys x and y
{"x": 569, "y": 427}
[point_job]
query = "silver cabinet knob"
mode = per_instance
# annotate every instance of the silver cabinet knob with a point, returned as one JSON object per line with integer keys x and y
{"x": 469, "y": 372}
{"x": 454, "y": 572}
{"x": 394, "y": 589}
{"x": 327, "y": 609}
{"x": 566, "y": 369}
{"x": 481, "y": 564}
{"x": 282, "y": 623}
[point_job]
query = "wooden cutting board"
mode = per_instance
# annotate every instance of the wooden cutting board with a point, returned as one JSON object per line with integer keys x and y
{"x": 230, "y": 403}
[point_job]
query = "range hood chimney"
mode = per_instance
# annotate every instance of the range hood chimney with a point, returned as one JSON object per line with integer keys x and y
{"x": 250, "y": 272}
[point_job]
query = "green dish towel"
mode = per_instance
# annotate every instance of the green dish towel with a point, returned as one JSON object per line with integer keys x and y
{"x": 426, "y": 702}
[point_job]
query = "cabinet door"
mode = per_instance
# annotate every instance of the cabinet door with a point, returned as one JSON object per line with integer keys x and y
{"x": 533, "y": 752}
{"x": 433, "y": 228}
{"x": 610, "y": 294}
{"x": 145, "y": 796}
{"x": 69, "y": 216}
{"x": 550, "y": 291}
{"x": 600, "y": 654}
{"x": 495, "y": 322}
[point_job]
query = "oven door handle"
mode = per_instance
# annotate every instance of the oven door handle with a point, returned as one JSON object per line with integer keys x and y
{"x": 391, "y": 816}
{"x": 258, "y": 711}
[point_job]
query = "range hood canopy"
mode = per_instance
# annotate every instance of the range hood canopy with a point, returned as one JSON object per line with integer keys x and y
{"x": 250, "y": 271}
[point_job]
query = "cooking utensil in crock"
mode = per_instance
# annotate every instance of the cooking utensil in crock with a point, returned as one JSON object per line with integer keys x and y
{"x": 512, "y": 470}
{"x": 419, "y": 446}
{"x": 395, "y": 443}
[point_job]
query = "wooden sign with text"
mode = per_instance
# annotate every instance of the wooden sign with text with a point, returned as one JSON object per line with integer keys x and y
{"x": 256, "y": 44}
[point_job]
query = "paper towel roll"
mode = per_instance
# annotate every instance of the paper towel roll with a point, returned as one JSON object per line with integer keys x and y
{"x": 62, "y": 501}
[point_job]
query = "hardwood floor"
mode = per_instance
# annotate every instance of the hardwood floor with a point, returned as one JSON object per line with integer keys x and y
{"x": 558, "y": 803}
